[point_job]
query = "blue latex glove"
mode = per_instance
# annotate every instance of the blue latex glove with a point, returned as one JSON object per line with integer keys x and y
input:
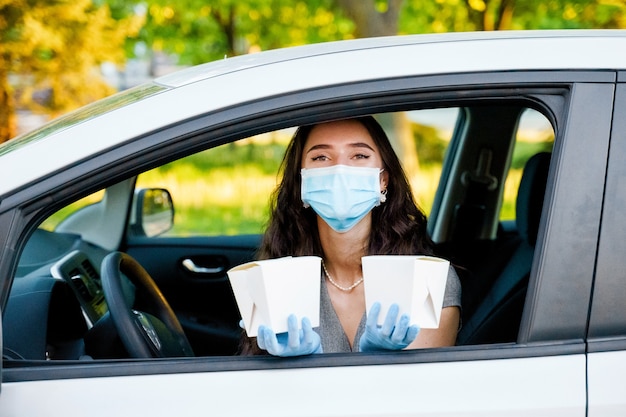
{"x": 392, "y": 335}
{"x": 296, "y": 342}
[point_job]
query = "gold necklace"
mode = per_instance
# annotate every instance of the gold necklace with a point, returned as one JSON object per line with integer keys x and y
{"x": 351, "y": 287}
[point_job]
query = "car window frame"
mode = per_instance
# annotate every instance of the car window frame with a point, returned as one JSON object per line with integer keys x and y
{"x": 553, "y": 281}
{"x": 607, "y": 319}
{"x": 303, "y": 107}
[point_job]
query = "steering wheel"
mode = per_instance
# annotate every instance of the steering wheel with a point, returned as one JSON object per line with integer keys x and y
{"x": 144, "y": 335}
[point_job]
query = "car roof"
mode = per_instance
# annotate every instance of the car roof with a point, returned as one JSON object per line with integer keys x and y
{"x": 490, "y": 39}
{"x": 209, "y": 87}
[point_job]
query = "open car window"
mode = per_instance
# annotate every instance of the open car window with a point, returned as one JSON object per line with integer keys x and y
{"x": 225, "y": 190}
{"x": 221, "y": 195}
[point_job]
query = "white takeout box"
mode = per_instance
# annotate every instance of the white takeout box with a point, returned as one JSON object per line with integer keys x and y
{"x": 268, "y": 291}
{"x": 416, "y": 283}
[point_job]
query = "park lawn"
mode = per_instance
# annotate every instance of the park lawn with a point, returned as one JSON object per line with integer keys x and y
{"x": 231, "y": 201}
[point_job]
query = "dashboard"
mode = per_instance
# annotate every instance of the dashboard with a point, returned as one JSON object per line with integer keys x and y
{"x": 56, "y": 301}
{"x": 84, "y": 280}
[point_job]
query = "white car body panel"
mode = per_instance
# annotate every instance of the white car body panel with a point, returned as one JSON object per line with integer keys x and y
{"x": 222, "y": 88}
{"x": 607, "y": 384}
{"x": 548, "y": 386}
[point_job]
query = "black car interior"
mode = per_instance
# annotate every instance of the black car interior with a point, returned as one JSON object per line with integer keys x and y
{"x": 494, "y": 290}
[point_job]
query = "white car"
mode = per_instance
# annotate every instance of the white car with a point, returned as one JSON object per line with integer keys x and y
{"x": 544, "y": 287}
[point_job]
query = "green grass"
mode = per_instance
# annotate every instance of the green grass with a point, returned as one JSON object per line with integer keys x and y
{"x": 230, "y": 201}
{"x": 226, "y": 190}
{"x": 218, "y": 199}
{"x": 222, "y": 201}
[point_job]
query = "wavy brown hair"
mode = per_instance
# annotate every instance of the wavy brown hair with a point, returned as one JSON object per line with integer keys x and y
{"x": 398, "y": 225}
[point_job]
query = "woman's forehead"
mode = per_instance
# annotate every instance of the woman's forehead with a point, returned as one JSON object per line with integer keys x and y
{"x": 340, "y": 132}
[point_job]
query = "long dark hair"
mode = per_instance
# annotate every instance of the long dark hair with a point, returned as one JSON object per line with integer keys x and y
{"x": 398, "y": 225}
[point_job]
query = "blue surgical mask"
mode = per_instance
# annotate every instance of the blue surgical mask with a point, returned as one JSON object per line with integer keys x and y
{"x": 341, "y": 195}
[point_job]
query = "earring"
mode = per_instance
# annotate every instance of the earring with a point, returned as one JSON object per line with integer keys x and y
{"x": 383, "y": 195}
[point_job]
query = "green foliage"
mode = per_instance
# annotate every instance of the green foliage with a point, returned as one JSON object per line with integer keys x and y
{"x": 52, "y": 48}
{"x": 428, "y": 143}
{"x": 224, "y": 190}
{"x": 524, "y": 150}
{"x": 231, "y": 220}
{"x": 197, "y": 31}
{"x": 263, "y": 157}
{"x": 439, "y": 16}
{"x": 55, "y": 45}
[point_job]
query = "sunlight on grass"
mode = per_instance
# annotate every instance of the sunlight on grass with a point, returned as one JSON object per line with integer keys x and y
{"x": 229, "y": 201}
{"x": 226, "y": 190}
{"x": 223, "y": 201}
{"x": 511, "y": 186}
{"x": 424, "y": 185}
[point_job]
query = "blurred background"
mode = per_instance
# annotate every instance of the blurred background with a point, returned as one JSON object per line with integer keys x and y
{"x": 57, "y": 55}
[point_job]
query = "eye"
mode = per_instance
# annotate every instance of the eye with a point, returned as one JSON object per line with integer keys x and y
{"x": 319, "y": 158}
{"x": 361, "y": 156}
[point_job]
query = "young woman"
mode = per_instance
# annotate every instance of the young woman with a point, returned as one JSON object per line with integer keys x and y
{"x": 343, "y": 196}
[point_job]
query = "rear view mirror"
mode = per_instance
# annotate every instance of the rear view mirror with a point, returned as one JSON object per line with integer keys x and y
{"x": 152, "y": 212}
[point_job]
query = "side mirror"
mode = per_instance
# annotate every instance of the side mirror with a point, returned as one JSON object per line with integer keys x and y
{"x": 152, "y": 212}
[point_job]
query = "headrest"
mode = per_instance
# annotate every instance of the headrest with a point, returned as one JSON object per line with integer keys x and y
{"x": 530, "y": 195}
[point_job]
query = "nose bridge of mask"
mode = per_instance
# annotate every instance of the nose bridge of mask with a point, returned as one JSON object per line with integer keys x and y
{"x": 341, "y": 177}
{"x": 342, "y": 171}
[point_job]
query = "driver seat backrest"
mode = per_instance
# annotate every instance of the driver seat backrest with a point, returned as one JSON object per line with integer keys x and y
{"x": 497, "y": 317}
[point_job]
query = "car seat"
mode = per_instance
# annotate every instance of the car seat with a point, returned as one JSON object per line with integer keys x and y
{"x": 496, "y": 316}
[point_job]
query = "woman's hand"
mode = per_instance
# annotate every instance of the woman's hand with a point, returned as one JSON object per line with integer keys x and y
{"x": 296, "y": 342}
{"x": 390, "y": 336}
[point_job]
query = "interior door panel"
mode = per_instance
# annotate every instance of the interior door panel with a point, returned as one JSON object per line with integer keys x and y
{"x": 192, "y": 274}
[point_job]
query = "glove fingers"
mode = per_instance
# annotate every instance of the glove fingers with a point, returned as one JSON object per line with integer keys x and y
{"x": 411, "y": 334}
{"x": 372, "y": 317}
{"x": 267, "y": 338}
{"x": 310, "y": 338}
{"x": 400, "y": 332}
{"x": 390, "y": 320}
{"x": 293, "y": 342}
{"x": 260, "y": 338}
{"x": 293, "y": 334}
{"x": 307, "y": 331}
{"x": 271, "y": 341}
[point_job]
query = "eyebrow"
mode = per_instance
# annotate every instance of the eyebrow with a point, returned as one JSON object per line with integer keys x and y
{"x": 352, "y": 145}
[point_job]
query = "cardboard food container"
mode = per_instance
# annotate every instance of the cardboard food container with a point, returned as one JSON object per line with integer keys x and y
{"x": 416, "y": 283}
{"x": 268, "y": 291}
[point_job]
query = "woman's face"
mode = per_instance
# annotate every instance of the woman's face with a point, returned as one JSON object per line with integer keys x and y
{"x": 345, "y": 142}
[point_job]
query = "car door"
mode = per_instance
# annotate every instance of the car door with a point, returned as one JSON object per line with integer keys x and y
{"x": 220, "y": 210}
{"x": 191, "y": 273}
{"x": 543, "y": 374}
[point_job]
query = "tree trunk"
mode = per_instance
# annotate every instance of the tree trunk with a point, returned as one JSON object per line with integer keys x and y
{"x": 505, "y": 15}
{"x": 8, "y": 125}
{"x": 370, "y": 22}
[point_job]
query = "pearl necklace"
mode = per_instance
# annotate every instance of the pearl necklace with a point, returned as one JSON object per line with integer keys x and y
{"x": 351, "y": 287}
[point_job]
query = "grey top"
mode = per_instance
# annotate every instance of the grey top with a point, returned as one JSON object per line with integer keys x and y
{"x": 333, "y": 337}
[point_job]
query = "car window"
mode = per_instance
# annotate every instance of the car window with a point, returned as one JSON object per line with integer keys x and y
{"x": 534, "y": 135}
{"x": 52, "y": 222}
{"x": 225, "y": 190}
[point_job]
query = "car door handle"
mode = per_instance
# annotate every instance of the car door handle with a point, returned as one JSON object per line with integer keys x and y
{"x": 191, "y": 266}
